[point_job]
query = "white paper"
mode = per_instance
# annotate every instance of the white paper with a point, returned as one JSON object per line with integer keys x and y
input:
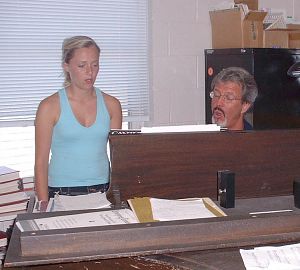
{"x": 182, "y": 128}
{"x": 165, "y": 210}
{"x": 99, "y": 218}
{"x": 272, "y": 258}
{"x": 94, "y": 200}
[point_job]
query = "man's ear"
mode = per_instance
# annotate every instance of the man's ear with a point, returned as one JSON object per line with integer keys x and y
{"x": 245, "y": 107}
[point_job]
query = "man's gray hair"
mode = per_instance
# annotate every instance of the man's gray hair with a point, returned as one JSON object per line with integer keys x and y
{"x": 240, "y": 76}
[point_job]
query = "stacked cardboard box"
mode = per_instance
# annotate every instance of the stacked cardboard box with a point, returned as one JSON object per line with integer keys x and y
{"x": 252, "y": 4}
{"x": 242, "y": 27}
{"x": 231, "y": 28}
{"x": 282, "y": 38}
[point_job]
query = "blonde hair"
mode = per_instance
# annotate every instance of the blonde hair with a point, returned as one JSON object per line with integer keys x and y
{"x": 68, "y": 48}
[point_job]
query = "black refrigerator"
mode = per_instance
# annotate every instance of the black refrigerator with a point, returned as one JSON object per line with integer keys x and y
{"x": 277, "y": 74}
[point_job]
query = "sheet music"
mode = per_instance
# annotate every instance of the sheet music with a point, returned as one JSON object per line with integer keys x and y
{"x": 181, "y": 128}
{"x": 94, "y": 200}
{"x": 165, "y": 210}
{"x": 272, "y": 258}
{"x": 100, "y": 218}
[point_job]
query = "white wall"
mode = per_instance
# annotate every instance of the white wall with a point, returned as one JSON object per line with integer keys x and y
{"x": 180, "y": 33}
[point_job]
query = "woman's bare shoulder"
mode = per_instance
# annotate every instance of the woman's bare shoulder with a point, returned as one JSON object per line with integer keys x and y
{"x": 112, "y": 103}
{"x": 50, "y": 102}
{"x": 110, "y": 99}
{"x": 115, "y": 111}
{"x": 49, "y": 108}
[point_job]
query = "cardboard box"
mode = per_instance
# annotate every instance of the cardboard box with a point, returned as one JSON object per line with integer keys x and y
{"x": 282, "y": 38}
{"x": 252, "y": 4}
{"x": 231, "y": 28}
{"x": 294, "y": 40}
{"x": 276, "y": 38}
{"x": 293, "y": 26}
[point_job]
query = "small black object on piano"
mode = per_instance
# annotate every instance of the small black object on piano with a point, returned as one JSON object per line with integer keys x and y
{"x": 226, "y": 188}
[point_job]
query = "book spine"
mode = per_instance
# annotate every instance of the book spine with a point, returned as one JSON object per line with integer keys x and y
{"x": 13, "y": 202}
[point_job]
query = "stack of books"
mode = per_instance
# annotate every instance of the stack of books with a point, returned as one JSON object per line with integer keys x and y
{"x": 28, "y": 184}
{"x": 13, "y": 201}
{"x": 10, "y": 180}
{"x": 3, "y": 245}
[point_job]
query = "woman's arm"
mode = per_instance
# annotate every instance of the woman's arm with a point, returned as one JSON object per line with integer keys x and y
{"x": 46, "y": 117}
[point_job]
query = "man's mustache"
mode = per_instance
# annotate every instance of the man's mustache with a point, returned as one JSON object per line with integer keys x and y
{"x": 218, "y": 109}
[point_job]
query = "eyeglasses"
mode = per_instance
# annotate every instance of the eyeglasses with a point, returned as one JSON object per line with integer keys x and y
{"x": 227, "y": 97}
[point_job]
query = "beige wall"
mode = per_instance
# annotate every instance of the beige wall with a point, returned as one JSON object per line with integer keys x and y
{"x": 180, "y": 32}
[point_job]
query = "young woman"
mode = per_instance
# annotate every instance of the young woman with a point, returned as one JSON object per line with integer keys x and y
{"x": 74, "y": 124}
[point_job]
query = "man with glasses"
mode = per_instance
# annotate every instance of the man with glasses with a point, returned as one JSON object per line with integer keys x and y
{"x": 233, "y": 92}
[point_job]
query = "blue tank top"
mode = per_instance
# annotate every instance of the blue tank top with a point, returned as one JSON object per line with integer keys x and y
{"x": 78, "y": 153}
